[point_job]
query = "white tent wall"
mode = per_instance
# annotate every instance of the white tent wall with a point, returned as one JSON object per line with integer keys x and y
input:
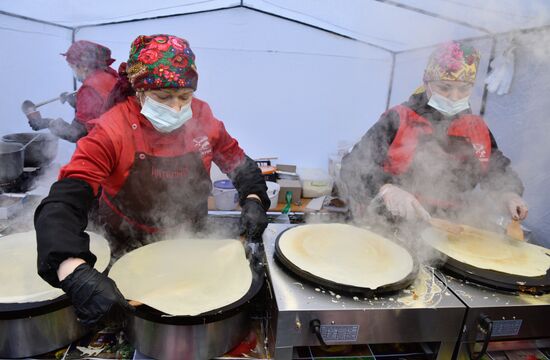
{"x": 520, "y": 122}
{"x": 282, "y": 89}
{"x": 31, "y": 68}
{"x": 410, "y": 65}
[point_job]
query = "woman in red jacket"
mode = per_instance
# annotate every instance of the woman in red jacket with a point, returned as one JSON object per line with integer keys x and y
{"x": 151, "y": 154}
{"x": 90, "y": 63}
{"x": 427, "y": 155}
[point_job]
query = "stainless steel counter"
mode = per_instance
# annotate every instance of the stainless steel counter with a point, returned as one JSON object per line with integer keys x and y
{"x": 514, "y": 316}
{"x": 425, "y": 312}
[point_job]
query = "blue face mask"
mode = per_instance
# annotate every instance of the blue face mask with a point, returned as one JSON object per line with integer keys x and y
{"x": 447, "y": 106}
{"x": 163, "y": 117}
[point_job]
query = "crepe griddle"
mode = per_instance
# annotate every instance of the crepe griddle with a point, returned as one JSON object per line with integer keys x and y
{"x": 152, "y": 314}
{"x": 10, "y": 311}
{"x": 341, "y": 288}
{"x": 495, "y": 279}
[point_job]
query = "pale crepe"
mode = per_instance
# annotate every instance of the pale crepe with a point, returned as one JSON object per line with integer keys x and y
{"x": 346, "y": 255}
{"x": 488, "y": 250}
{"x": 19, "y": 280}
{"x": 184, "y": 277}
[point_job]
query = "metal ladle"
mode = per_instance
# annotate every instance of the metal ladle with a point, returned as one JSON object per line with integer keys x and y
{"x": 29, "y": 108}
{"x": 32, "y": 140}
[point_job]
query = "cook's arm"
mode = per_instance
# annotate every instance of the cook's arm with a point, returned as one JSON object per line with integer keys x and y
{"x": 242, "y": 170}
{"x": 362, "y": 172}
{"x": 71, "y": 132}
{"x": 61, "y": 218}
{"x": 248, "y": 180}
{"x": 501, "y": 178}
{"x": 60, "y": 221}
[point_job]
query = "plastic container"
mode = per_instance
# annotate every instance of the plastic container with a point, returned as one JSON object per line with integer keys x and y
{"x": 226, "y": 196}
{"x": 273, "y": 192}
{"x": 315, "y": 183}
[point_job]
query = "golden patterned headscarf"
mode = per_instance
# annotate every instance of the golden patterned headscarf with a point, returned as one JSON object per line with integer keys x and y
{"x": 452, "y": 61}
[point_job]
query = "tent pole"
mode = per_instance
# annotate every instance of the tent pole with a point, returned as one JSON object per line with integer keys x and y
{"x": 318, "y": 28}
{"x": 158, "y": 17}
{"x": 390, "y": 87}
{"x": 435, "y": 15}
{"x": 34, "y": 20}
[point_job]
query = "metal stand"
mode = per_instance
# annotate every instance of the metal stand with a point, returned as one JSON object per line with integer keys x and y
{"x": 300, "y": 313}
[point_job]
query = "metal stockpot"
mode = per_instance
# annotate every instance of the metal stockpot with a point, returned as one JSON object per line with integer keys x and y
{"x": 41, "y": 152}
{"x": 29, "y": 329}
{"x": 192, "y": 337}
{"x": 11, "y": 161}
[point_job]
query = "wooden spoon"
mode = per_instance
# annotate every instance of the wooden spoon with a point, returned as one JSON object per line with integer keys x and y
{"x": 515, "y": 231}
{"x": 446, "y": 225}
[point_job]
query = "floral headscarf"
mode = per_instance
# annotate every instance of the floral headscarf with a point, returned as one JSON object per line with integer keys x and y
{"x": 161, "y": 61}
{"x": 89, "y": 54}
{"x": 452, "y": 61}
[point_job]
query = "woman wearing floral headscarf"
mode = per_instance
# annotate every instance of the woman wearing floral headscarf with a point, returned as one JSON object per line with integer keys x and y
{"x": 90, "y": 63}
{"x": 425, "y": 155}
{"x": 151, "y": 154}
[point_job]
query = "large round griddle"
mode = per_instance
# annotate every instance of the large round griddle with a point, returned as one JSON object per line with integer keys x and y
{"x": 148, "y": 313}
{"x": 341, "y": 288}
{"x": 494, "y": 279}
{"x": 10, "y": 311}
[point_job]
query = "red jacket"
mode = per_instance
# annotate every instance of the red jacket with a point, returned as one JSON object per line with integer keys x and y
{"x": 413, "y": 126}
{"x": 93, "y": 94}
{"x": 414, "y": 146}
{"x": 105, "y": 155}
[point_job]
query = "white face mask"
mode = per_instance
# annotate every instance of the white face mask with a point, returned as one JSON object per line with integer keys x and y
{"x": 163, "y": 117}
{"x": 447, "y": 106}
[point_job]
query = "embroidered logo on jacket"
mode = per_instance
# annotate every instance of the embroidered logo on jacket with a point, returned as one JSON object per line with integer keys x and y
{"x": 480, "y": 152}
{"x": 203, "y": 145}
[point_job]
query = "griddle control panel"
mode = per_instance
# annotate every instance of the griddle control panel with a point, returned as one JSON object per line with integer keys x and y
{"x": 339, "y": 333}
{"x": 506, "y": 327}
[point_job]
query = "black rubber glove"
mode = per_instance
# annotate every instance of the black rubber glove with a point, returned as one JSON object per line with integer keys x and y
{"x": 40, "y": 123}
{"x": 253, "y": 219}
{"x": 95, "y": 296}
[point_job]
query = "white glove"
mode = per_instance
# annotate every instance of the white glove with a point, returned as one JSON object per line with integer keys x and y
{"x": 403, "y": 204}
{"x": 516, "y": 205}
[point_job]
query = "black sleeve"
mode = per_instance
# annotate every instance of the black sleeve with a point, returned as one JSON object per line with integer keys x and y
{"x": 500, "y": 175}
{"x": 60, "y": 221}
{"x": 70, "y": 132}
{"x": 248, "y": 179}
{"x": 362, "y": 171}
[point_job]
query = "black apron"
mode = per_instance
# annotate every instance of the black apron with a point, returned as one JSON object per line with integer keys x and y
{"x": 160, "y": 194}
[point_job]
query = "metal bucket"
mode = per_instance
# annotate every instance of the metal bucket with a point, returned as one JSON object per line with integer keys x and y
{"x": 26, "y": 330}
{"x": 190, "y": 342}
{"x": 193, "y": 337}
{"x": 40, "y": 152}
{"x": 11, "y": 161}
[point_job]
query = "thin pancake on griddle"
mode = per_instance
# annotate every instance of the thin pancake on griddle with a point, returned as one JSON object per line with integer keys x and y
{"x": 488, "y": 250}
{"x": 346, "y": 255}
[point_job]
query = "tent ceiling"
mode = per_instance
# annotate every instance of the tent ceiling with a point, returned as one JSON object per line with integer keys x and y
{"x": 395, "y": 25}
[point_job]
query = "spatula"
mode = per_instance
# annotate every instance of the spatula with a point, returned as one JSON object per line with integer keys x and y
{"x": 514, "y": 230}
{"x": 446, "y": 225}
